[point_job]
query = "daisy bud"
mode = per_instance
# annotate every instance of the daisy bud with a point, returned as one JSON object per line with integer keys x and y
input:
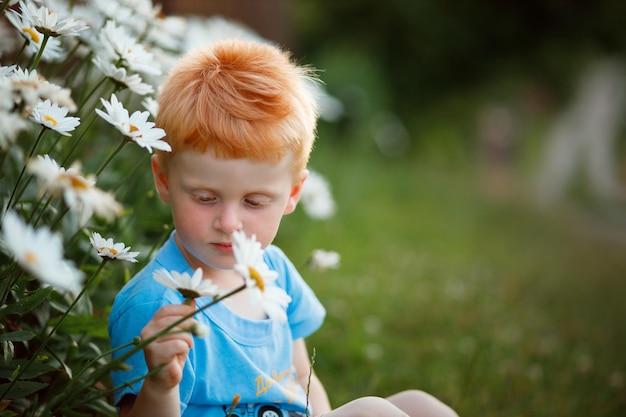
{"x": 199, "y": 330}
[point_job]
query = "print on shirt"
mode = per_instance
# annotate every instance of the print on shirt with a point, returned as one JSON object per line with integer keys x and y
{"x": 286, "y": 381}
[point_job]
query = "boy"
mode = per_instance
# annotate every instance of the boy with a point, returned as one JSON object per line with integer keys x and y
{"x": 241, "y": 123}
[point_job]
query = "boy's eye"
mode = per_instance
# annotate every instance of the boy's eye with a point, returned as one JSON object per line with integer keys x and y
{"x": 257, "y": 202}
{"x": 205, "y": 198}
{"x": 253, "y": 203}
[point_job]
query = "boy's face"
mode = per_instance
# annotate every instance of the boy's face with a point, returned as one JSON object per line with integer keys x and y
{"x": 212, "y": 197}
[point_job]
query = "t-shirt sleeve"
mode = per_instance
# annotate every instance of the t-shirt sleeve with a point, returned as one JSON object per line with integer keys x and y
{"x": 305, "y": 312}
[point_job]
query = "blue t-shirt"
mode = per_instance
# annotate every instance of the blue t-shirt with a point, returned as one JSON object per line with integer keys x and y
{"x": 250, "y": 358}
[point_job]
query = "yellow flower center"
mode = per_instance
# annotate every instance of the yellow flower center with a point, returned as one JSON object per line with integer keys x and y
{"x": 113, "y": 251}
{"x": 50, "y": 119}
{"x": 34, "y": 35}
{"x": 254, "y": 275}
{"x": 133, "y": 128}
{"x": 77, "y": 182}
{"x": 31, "y": 257}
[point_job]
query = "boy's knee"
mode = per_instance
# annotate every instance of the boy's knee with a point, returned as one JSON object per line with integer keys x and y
{"x": 420, "y": 403}
{"x": 371, "y": 407}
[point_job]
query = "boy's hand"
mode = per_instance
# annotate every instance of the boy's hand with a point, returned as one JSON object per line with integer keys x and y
{"x": 170, "y": 350}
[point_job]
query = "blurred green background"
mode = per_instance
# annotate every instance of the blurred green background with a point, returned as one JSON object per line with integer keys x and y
{"x": 471, "y": 266}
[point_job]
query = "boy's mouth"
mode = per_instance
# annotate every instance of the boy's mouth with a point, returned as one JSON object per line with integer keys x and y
{"x": 226, "y": 247}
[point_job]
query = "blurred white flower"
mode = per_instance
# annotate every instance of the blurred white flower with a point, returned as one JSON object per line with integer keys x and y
{"x": 119, "y": 46}
{"x": 10, "y": 125}
{"x": 317, "y": 200}
{"x": 257, "y": 275}
{"x": 188, "y": 286}
{"x": 202, "y": 31}
{"x": 29, "y": 88}
{"x": 7, "y": 38}
{"x": 48, "y": 22}
{"x": 6, "y": 71}
{"x": 136, "y": 127}
{"x": 150, "y": 104}
{"x": 52, "y": 116}
{"x": 40, "y": 252}
{"x": 167, "y": 32}
{"x": 121, "y": 77}
{"x": 79, "y": 192}
{"x": 114, "y": 10}
{"x": 321, "y": 260}
{"x": 110, "y": 250}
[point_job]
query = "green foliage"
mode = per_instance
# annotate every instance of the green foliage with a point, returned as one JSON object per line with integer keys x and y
{"x": 53, "y": 334}
{"x": 429, "y": 49}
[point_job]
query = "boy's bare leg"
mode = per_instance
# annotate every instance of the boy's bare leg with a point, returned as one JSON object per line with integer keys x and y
{"x": 411, "y": 403}
{"x": 421, "y": 404}
{"x": 367, "y": 407}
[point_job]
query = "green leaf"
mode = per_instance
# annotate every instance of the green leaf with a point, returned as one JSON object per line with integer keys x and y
{"x": 26, "y": 304}
{"x": 90, "y": 325}
{"x": 34, "y": 369}
{"x": 17, "y": 336}
{"x": 20, "y": 389}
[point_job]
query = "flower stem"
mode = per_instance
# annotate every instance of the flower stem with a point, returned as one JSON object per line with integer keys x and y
{"x": 40, "y": 52}
{"x": 3, "y": 6}
{"x": 22, "y": 49}
{"x": 308, "y": 385}
{"x": 14, "y": 194}
{"x": 85, "y": 128}
{"x": 111, "y": 156}
{"x": 86, "y": 98}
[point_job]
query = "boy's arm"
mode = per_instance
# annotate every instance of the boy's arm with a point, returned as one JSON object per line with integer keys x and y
{"x": 159, "y": 395}
{"x": 313, "y": 387}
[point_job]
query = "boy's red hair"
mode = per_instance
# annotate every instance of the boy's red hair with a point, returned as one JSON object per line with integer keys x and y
{"x": 239, "y": 99}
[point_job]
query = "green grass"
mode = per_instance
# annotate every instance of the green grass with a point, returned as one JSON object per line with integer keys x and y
{"x": 495, "y": 307}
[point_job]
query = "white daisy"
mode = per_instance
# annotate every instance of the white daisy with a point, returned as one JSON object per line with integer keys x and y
{"x": 317, "y": 200}
{"x": 29, "y": 88}
{"x": 136, "y": 127}
{"x": 257, "y": 275}
{"x": 53, "y": 50}
{"x": 108, "y": 249}
{"x": 188, "y": 286}
{"x": 79, "y": 192}
{"x": 321, "y": 260}
{"x": 6, "y": 71}
{"x": 49, "y": 23}
{"x": 123, "y": 78}
{"x": 40, "y": 252}
{"x": 52, "y": 116}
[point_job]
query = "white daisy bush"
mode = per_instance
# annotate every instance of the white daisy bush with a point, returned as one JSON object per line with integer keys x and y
{"x": 78, "y": 82}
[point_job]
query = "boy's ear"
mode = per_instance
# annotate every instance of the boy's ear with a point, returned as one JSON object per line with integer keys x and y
{"x": 296, "y": 192}
{"x": 160, "y": 179}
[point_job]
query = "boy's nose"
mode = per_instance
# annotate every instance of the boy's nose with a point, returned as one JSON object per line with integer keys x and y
{"x": 228, "y": 220}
